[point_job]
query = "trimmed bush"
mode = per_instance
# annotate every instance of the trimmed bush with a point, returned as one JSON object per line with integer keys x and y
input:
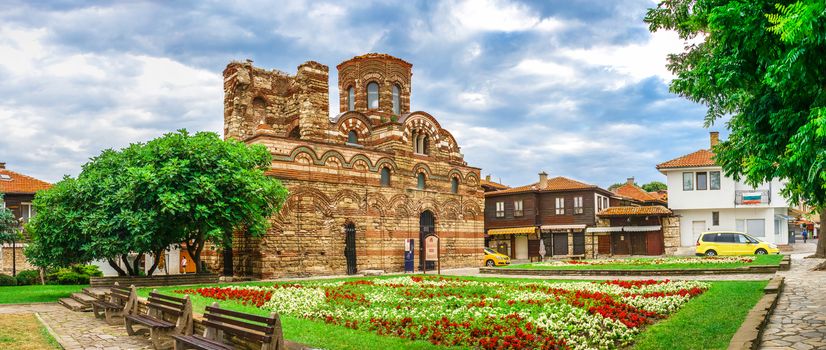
{"x": 75, "y": 274}
{"x": 6, "y": 280}
{"x": 28, "y": 277}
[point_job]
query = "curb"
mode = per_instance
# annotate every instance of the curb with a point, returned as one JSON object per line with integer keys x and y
{"x": 786, "y": 263}
{"x": 750, "y": 333}
{"x": 756, "y": 269}
{"x": 51, "y": 331}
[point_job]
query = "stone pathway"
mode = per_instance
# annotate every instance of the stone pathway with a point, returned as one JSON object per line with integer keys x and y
{"x": 79, "y": 330}
{"x": 799, "y": 321}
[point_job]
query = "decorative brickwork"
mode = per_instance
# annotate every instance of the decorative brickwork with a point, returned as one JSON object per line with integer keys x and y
{"x": 333, "y": 169}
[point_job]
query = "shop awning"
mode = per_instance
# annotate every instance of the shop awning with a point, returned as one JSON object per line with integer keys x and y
{"x": 641, "y": 228}
{"x": 563, "y": 227}
{"x": 512, "y": 230}
{"x": 604, "y": 229}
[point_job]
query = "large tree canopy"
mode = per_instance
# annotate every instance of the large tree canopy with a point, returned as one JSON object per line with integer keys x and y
{"x": 179, "y": 188}
{"x": 761, "y": 63}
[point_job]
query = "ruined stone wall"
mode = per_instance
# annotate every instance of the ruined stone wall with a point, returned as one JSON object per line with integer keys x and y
{"x": 671, "y": 234}
{"x": 333, "y": 182}
{"x": 6, "y": 254}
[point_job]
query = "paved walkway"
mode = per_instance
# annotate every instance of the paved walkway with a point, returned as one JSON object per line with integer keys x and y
{"x": 799, "y": 321}
{"x": 79, "y": 330}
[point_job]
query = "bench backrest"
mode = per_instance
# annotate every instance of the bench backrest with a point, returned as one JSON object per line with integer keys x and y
{"x": 158, "y": 305}
{"x": 119, "y": 295}
{"x": 260, "y": 329}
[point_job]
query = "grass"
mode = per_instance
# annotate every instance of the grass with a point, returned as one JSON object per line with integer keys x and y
{"x": 37, "y": 293}
{"x": 641, "y": 264}
{"x": 24, "y": 332}
{"x": 708, "y": 321}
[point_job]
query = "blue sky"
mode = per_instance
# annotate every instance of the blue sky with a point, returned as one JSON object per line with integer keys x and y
{"x": 575, "y": 88}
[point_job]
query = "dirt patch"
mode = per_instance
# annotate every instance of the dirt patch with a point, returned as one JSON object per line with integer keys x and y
{"x": 24, "y": 332}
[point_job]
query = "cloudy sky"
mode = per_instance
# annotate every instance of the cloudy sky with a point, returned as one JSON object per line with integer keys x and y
{"x": 576, "y": 88}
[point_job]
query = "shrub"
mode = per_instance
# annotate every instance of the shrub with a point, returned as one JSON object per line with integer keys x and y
{"x": 6, "y": 280}
{"x": 28, "y": 277}
{"x": 75, "y": 274}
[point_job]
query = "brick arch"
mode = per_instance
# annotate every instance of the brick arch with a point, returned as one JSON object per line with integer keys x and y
{"x": 471, "y": 179}
{"x": 455, "y": 173}
{"x": 333, "y": 154}
{"x": 382, "y": 161}
{"x": 422, "y": 168}
{"x": 430, "y": 204}
{"x": 352, "y": 195}
{"x": 453, "y": 146}
{"x": 356, "y": 122}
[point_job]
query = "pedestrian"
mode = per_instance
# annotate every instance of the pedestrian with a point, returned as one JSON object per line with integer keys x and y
{"x": 805, "y": 235}
{"x": 183, "y": 264}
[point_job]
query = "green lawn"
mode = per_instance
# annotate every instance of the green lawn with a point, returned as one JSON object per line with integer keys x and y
{"x": 708, "y": 321}
{"x": 647, "y": 264}
{"x": 36, "y": 294}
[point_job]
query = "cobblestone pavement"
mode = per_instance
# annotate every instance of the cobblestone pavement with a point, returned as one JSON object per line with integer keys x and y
{"x": 799, "y": 321}
{"x": 79, "y": 330}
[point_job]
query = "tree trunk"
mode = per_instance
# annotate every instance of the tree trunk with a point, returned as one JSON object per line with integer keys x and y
{"x": 135, "y": 262}
{"x": 821, "y": 243}
{"x": 197, "y": 257}
{"x": 115, "y": 266}
{"x": 125, "y": 259}
{"x": 227, "y": 261}
{"x": 156, "y": 260}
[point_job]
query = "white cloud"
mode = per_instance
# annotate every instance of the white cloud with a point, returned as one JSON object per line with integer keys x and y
{"x": 67, "y": 106}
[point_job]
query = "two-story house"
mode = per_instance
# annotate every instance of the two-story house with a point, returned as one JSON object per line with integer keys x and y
{"x": 17, "y": 192}
{"x": 555, "y": 211}
{"x": 707, "y": 200}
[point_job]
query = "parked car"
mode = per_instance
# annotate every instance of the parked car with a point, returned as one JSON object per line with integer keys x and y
{"x": 493, "y": 258}
{"x": 732, "y": 243}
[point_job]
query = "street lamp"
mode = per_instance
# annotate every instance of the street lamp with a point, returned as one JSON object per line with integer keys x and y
{"x": 14, "y": 249}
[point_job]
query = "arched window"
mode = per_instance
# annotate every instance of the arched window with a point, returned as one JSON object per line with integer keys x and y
{"x": 397, "y": 103}
{"x": 295, "y": 133}
{"x": 385, "y": 177}
{"x": 352, "y": 137}
{"x": 351, "y": 99}
{"x": 454, "y": 185}
{"x": 421, "y": 181}
{"x": 373, "y": 95}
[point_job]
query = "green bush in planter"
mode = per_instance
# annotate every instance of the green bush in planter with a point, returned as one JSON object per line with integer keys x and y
{"x": 28, "y": 277}
{"x": 6, "y": 280}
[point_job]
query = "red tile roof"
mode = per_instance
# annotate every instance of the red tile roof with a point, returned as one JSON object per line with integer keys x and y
{"x": 631, "y": 211}
{"x": 558, "y": 183}
{"x": 702, "y": 157}
{"x": 12, "y": 182}
{"x": 493, "y": 185}
{"x": 634, "y": 192}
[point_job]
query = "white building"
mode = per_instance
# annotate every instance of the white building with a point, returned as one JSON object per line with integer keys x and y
{"x": 706, "y": 200}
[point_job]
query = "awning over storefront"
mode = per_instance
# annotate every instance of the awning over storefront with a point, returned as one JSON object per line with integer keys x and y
{"x": 563, "y": 227}
{"x": 604, "y": 229}
{"x": 512, "y": 230}
{"x": 783, "y": 217}
{"x": 641, "y": 228}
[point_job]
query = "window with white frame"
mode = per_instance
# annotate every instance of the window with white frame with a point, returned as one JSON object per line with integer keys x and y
{"x": 500, "y": 209}
{"x": 714, "y": 180}
{"x": 578, "y": 205}
{"x": 560, "y": 206}
{"x": 373, "y": 95}
{"x": 702, "y": 180}
{"x": 351, "y": 99}
{"x": 517, "y": 208}
{"x": 688, "y": 181}
{"x": 27, "y": 211}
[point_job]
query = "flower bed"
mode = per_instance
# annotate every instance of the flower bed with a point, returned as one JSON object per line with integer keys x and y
{"x": 709, "y": 260}
{"x": 488, "y": 315}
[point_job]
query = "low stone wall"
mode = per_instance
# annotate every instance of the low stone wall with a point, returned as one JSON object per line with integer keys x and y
{"x": 759, "y": 269}
{"x": 750, "y": 333}
{"x": 155, "y": 281}
{"x": 6, "y": 255}
{"x": 786, "y": 263}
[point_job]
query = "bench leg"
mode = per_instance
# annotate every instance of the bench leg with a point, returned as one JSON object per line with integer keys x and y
{"x": 160, "y": 339}
{"x": 97, "y": 311}
{"x": 114, "y": 317}
{"x": 131, "y": 331}
{"x": 179, "y": 345}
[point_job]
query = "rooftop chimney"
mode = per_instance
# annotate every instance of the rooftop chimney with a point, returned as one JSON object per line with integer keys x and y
{"x": 714, "y": 138}
{"x": 629, "y": 180}
{"x": 2, "y": 165}
{"x": 543, "y": 180}
{"x": 487, "y": 177}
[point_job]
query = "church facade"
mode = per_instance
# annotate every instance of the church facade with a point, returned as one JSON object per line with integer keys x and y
{"x": 360, "y": 185}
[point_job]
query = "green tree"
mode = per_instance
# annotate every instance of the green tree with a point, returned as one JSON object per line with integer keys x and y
{"x": 654, "y": 186}
{"x": 9, "y": 227}
{"x": 179, "y": 188}
{"x": 760, "y": 63}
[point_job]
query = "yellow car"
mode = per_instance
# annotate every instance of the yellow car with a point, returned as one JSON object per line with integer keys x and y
{"x": 732, "y": 243}
{"x": 494, "y": 259}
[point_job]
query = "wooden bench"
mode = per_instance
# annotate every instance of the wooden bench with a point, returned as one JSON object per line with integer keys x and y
{"x": 165, "y": 316}
{"x": 122, "y": 301}
{"x": 220, "y": 322}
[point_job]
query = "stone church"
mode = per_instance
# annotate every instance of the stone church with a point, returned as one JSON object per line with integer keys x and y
{"x": 361, "y": 184}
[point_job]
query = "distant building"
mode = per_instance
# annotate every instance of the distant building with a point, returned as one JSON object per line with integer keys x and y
{"x": 360, "y": 185}
{"x": 18, "y": 192}
{"x": 489, "y": 186}
{"x": 707, "y": 200}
